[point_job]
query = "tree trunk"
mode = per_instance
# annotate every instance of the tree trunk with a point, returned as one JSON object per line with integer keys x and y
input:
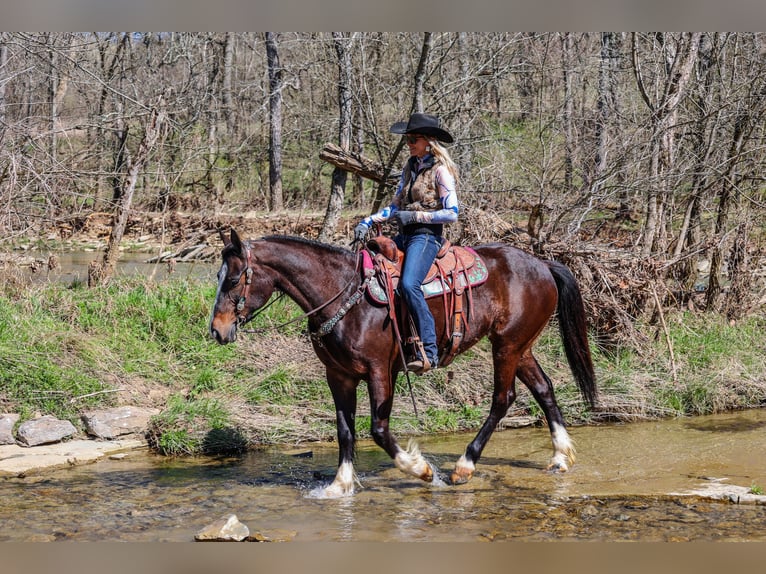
{"x": 214, "y": 71}
{"x": 606, "y": 105}
{"x": 568, "y": 112}
{"x": 275, "y": 122}
{"x": 100, "y": 273}
{"x": 226, "y": 97}
{"x": 3, "y": 83}
{"x": 703, "y": 143}
{"x": 342, "y": 44}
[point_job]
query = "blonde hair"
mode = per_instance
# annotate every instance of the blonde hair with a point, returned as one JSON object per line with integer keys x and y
{"x": 442, "y": 156}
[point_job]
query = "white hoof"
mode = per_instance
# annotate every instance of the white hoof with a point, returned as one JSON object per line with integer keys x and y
{"x": 342, "y": 486}
{"x": 411, "y": 462}
{"x": 563, "y": 450}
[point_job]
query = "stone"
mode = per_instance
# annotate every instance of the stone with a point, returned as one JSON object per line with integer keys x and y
{"x": 277, "y": 535}
{"x": 45, "y": 430}
{"x": 16, "y": 460}
{"x": 6, "y": 428}
{"x": 112, "y": 423}
{"x": 227, "y": 529}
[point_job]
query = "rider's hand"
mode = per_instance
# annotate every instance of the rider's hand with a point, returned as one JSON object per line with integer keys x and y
{"x": 406, "y": 217}
{"x": 360, "y": 232}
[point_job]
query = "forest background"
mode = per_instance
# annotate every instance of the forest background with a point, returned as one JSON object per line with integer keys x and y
{"x": 635, "y": 158}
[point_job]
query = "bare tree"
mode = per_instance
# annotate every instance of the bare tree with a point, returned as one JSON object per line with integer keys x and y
{"x": 672, "y": 75}
{"x": 417, "y": 106}
{"x": 749, "y": 115}
{"x": 100, "y": 273}
{"x": 342, "y": 44}
{"x": 275, "y": 122}
{"x": 3, "y": 83}
{"x": 227, "y": 100}
{"x": 567, "y": 49}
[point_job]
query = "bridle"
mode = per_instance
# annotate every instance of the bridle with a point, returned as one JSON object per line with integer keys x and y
{"x": 324, "y": 328}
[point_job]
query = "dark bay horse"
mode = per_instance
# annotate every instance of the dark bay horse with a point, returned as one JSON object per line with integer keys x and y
{"x": 512, "y": 308}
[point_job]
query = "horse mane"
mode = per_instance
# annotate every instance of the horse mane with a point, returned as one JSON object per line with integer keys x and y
{"x": 229, "y": 248}
{"x": 310, "y": 242}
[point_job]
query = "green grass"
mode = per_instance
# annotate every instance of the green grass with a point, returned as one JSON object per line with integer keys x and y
{"x": 66, "y": 348}
{"x": 195, "y": 426}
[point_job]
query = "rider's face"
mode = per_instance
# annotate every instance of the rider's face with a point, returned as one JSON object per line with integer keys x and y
{"x": 417, "y": 144}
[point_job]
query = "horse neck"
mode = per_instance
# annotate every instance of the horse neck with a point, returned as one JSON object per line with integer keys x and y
{"x": 307, "y": 272}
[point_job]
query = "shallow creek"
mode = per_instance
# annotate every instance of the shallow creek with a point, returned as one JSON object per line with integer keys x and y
{"x": 640, "y": 481}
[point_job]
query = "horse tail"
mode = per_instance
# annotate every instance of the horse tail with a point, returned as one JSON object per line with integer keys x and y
{"x": 574, "y": 331}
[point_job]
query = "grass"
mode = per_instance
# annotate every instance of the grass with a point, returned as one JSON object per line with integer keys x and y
{"x": 67, "y": 349}
{"x": 195, "y": 426}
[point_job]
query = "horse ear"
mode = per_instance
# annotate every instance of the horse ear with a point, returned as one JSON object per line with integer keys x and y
{"x": 236, "y": 241}
{"x": 224, "y": 239}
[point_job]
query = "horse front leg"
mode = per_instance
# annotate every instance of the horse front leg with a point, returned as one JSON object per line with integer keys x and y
{"x": 532, "y": 375}
{"x": 344, "y": 395}
{"x": 503, "y": 396}
{"x": 410, "y": 460}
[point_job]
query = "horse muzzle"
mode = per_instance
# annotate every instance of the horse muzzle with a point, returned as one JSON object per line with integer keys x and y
{"x": 223, "y": 334}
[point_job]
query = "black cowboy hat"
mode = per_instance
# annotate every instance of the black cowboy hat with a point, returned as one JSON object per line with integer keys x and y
{"x": 425, "y": 124}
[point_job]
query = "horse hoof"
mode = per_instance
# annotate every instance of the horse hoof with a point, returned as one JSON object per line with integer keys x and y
{"x": 460, "y": 477}
{"x": 428, "y": 474}
{"x": 557, "y": 468}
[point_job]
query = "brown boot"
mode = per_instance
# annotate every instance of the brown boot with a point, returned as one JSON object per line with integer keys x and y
{"x": 419, "y": 366}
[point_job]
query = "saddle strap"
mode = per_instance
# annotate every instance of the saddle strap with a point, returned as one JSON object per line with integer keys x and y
{"x": 456, "y": 330}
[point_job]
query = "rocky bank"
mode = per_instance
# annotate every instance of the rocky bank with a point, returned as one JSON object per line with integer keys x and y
{"x": 46, "y": 443}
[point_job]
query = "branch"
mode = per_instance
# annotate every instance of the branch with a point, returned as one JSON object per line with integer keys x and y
{"x": 358, "y": 164}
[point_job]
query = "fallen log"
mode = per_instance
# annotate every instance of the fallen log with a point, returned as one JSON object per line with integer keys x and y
{"x": 358, "y": 164}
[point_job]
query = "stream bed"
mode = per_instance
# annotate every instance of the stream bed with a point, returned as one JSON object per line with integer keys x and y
{"x": 647, "y": 481}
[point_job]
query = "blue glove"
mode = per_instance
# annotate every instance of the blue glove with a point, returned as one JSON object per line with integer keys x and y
{"x": 360, "y": 232}
{"x": 406, "y": 217}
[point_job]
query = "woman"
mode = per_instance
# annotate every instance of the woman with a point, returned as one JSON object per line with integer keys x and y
{"x": 424, "y": 201}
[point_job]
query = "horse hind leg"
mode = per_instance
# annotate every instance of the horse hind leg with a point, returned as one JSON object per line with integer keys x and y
{"x": 531, "y": 374}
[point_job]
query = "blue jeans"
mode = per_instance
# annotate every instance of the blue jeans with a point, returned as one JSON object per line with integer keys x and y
{"x": 420, "y": 251}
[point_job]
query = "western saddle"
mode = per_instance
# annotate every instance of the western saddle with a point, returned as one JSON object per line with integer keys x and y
{"x": 455, "y": 271}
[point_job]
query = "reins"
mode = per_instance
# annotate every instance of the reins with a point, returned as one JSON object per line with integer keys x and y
{"x": 360, "y": 291}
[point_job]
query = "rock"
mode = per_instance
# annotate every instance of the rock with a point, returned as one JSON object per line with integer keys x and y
{"x": 6, "y": 428}
{"x": 277, "y": 535}
{"x": 45, "y": 430}
{"x": 18, "y": 461}
{"x": 111, "y": 423}
{"x": 228, "y": 528}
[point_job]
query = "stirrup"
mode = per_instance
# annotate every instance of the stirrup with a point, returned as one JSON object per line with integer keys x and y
{"x": 419, "y": 366}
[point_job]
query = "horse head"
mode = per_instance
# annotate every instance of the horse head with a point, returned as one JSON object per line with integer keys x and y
{"x": 243, "y": 288}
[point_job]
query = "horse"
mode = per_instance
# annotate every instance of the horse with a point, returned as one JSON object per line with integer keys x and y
{"x": 355, "y": 339}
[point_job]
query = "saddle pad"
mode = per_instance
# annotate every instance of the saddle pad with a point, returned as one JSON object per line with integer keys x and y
{"x": 476, "y": 275}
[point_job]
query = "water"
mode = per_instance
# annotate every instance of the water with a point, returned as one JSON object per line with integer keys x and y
{"x": 74, "y": 267}
{"x": 631, "y": 482}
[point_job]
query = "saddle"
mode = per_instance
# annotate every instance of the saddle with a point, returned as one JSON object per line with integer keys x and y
{"x": 453, "y": 274}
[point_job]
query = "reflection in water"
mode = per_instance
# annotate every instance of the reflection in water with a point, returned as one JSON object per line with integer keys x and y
{"x": 726, "y": 424}
{"x": 618, "y": 490}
